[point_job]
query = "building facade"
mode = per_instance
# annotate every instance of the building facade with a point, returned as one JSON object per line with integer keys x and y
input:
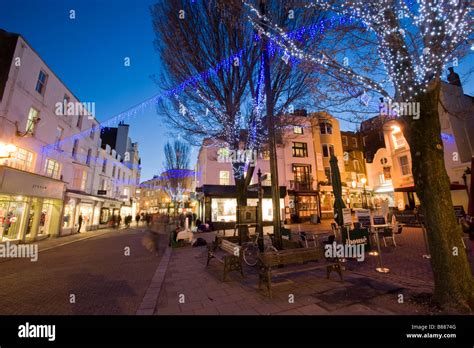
{"x": 50, "y": 149}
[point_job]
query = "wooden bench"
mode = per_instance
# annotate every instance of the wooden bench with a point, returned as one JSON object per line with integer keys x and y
{"x": 227, "y": 253}
{"x": 270, "y": 261}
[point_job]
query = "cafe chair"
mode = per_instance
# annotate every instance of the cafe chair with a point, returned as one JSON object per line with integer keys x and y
{"x": 389, "y": 233}
{"x": 309, "y": 238}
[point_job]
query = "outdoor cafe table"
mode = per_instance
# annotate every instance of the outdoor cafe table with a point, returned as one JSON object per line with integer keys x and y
{"x": 375, "y": 230}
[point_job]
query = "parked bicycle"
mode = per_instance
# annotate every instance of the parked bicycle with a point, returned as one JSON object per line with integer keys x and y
{"x": 251, "y": 250}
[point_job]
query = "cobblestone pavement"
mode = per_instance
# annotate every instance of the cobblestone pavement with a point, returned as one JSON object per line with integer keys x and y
{"x": 191, "y": 288}
{"x": 96, "y": 270}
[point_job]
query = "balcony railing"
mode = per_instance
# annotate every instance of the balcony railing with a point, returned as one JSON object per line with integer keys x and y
{"x": 297, "y": 185}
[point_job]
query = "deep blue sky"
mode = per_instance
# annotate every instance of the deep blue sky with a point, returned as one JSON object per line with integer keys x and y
{"x": 88, "y": 53}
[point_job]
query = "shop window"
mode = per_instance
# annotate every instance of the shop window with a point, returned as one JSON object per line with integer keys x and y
{"x": 52, "y": 168}
{"x": 300, "y": 149}
{"x": 224, "y": 177}
{"x": 41, "y": 83}
{"x": 223, "y": 209}
{"x": 23, "y": 159}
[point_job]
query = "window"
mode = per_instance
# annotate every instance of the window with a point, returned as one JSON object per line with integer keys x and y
{"x": 22, "y": 159}
{"x": 327, "y": 171}
{"x": 224, "y": 177}
{"x": 404, "y": 165}
{"x": 41, "y": 84}
{"x": 51, "y": 168}
{"x": 88, "y": 159}
{"x": 398, "y": 139}
{"x": 74, "y": 148}
{"x": 266, "y": 154}
{"x": 66, "y": 101}
{"x": 298, "y": 130}
{"x": 113, "y": 170}
{"x": 354, "y": 142}
{"x": 79, "y": 120}
{"x": 325, "y": 127}
{"x": 356, "y": 165}
{"x": 302, "y": 173}
{"x": 80, "y": 179}
{"x": 58, "y": 137}
{"x": 344, "y": 140}
{"x": 118, "y": 174}
{"x": 364, "y": 139}
{"x": 104, "y": 166}
{"x": 328, "y": 150}
{"x": 300, "y": 150}
{"x": 91, "y": 134}
{"x": 383, "y": 161}
{"x": 32, "y": 120}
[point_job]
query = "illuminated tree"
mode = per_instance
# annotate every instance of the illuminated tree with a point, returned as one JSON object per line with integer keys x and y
{"x": 412, "y": 43}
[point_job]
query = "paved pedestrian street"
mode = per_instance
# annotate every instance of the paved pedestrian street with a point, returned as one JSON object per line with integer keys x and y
{"x": 191, "y": 288}
{"x": 94, "y": 273}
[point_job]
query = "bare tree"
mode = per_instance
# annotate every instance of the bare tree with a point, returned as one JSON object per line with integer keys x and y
{"x": 212, "y": 52}
{"x": 412, "y": 45}
{"x": 176, "y": 177}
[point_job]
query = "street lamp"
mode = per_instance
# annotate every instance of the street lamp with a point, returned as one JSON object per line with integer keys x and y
{"x": 364, "y": 181}
{"x": 6, "y": 150}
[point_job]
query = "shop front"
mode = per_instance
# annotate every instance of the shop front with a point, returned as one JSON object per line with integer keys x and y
{"x": 30, "y": 205}
{"x": 79, "y": 204}
{"x": 218, "y": 204}
{"x": 109, "y": 208}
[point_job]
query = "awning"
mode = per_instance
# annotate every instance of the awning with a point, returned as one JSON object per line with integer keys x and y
{"x": 454, "y": 187}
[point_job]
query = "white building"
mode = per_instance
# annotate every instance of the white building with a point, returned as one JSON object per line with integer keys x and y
{"x": 48, "y": 154}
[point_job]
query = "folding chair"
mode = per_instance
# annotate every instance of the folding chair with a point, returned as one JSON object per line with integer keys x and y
{"x": 389, "y": 233}
{"x": 309, "y": 237}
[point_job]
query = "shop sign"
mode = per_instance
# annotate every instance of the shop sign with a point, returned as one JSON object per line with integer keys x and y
{"x": 102, "y": 192}
{"x": 347, "y": 216}
{"x": 18, "y": 182}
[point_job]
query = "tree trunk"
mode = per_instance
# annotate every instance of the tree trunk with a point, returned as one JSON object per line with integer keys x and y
{"x": 454, "y": 285}
{"x": 241, "y": 184}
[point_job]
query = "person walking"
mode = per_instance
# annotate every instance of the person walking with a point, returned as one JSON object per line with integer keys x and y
{"x": 80, "y": 223}
{"x": 137, "y": 219}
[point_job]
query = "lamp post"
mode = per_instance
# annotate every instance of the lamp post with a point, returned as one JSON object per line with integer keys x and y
{"x": 7, "y": 150}
{"x": 364, "y": 181}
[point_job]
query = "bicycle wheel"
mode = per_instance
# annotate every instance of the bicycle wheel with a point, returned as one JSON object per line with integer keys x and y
{"x": 251, "y": 254}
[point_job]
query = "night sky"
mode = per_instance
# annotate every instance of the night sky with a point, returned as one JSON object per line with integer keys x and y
{"x": 88, "y": 54}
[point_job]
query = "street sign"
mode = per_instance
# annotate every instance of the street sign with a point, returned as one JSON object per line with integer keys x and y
{"x": 102, "y": 192}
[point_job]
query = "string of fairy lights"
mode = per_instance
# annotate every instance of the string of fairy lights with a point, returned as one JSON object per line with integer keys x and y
{"x": 444, "y": 25}
{"x": 227, "y": 63}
